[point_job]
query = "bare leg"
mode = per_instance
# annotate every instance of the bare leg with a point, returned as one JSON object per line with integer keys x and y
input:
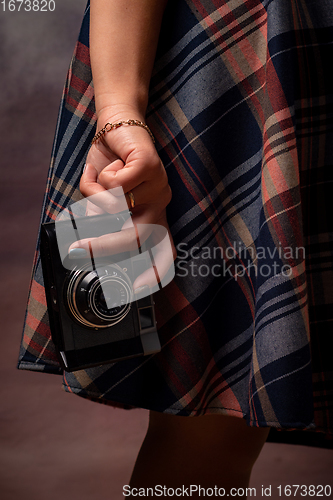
{"x": 212, "y": 450}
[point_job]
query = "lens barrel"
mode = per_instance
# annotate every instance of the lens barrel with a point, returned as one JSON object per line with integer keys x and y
{"x": 98, "y": 298}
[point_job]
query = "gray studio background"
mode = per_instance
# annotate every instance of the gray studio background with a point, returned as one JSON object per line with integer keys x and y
{"x": 53, "y": 444}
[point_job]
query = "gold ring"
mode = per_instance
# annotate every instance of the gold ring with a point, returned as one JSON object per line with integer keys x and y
{"x": 131, "y": 197}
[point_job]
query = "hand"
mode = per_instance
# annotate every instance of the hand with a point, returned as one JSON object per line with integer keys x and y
{"x": 126, "y": 157}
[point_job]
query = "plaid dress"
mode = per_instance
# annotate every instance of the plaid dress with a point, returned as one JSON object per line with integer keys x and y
{"x": 241, "y": 104}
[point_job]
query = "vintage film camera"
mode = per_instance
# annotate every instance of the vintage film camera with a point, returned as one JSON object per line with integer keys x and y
{"x": 95, "y": 317}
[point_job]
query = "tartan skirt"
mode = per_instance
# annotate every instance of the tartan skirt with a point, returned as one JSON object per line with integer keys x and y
{"x": 240, "y": 104}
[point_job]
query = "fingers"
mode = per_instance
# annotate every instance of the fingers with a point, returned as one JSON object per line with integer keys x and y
{"x": 127, "y": 147}
{"x": 128, "y": 160}
{"x": 133, "y": 234}
{"x": 108, "y": 244}
{"x": 111, "y": 203}
{"x": 159, "y": 250}
{"x": 114, "y": 201}
{"x": 92, "y": 209}
{"x": 147, "y": 193}
{"x": 159, "y": 257}
{"x": 101, "y": 156}
{"x": 135, "y": 172}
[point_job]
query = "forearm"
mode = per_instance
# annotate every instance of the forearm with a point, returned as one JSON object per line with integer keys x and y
{"x": 123, "y": 41}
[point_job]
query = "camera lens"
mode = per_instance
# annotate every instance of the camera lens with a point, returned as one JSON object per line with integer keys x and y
{"x": 109, "y": 297}
{"x": 99, "y": 298}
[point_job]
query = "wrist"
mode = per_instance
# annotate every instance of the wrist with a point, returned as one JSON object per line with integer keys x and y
{"x": 108, "y": 127}
{"x": 111, "y": 107}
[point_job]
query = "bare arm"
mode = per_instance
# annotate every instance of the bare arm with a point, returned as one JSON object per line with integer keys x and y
{"x": 123, "y": 41}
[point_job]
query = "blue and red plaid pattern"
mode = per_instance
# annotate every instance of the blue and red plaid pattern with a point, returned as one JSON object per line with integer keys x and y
{"x": 241, "y": 109}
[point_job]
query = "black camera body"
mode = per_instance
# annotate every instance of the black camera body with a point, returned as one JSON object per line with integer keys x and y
{"x": 95, "y": 317}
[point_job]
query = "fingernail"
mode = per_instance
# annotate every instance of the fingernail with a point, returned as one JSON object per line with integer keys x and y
{"x": 77, "y": 253}
{"x": 141, "y": 288}
{"x": 142, "y": 291}
{"x": 85, "y": 166}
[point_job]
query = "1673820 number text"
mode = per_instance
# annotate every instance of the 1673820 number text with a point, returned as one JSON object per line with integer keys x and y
{"x": 28, "y": 5}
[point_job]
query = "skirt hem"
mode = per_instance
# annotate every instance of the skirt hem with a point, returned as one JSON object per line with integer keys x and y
{"x": 287, "y": 426}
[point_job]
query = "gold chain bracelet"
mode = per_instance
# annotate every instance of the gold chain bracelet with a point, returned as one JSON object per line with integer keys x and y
{"x": 109, "y": 126}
